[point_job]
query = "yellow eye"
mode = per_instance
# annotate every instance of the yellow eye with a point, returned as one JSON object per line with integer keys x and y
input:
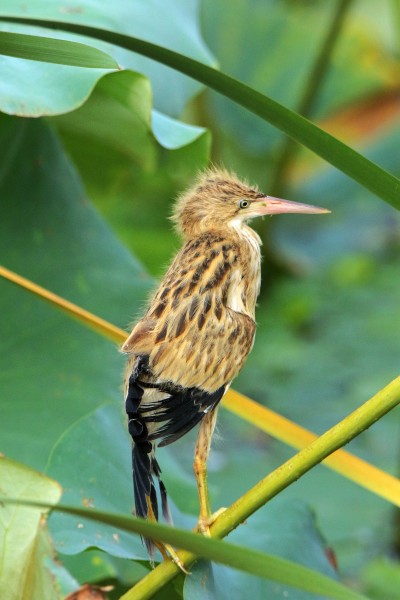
{"x": 243, "y": 203}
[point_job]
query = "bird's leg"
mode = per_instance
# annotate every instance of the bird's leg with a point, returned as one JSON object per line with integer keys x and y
{"x": 201, "y": 453}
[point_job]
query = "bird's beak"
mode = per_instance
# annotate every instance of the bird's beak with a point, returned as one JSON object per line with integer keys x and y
{"x": 275, "y": 206}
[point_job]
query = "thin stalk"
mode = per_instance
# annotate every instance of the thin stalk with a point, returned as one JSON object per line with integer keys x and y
{"x": 312, "y": 88}
{"x": 396, "y": 22}
{"x": 339, "y": 435}
{"x": 396, "y": 27}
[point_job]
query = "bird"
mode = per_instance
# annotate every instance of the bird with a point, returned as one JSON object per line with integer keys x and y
{"x": 196, "y": 333}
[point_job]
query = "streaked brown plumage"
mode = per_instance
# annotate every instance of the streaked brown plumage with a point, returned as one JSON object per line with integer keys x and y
{"x": 198, "y": 330}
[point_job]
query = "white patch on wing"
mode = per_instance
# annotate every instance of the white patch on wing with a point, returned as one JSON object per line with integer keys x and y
{"x": 234, "y": 299}
{"x": 152, "y": 396}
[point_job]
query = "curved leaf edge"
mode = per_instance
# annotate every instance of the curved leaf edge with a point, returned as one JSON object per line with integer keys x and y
{"x": 358, "y": 167}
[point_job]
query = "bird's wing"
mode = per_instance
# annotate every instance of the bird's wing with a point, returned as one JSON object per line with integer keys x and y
{"x": 164, "y": 410}
{"x": 191, "y": 336}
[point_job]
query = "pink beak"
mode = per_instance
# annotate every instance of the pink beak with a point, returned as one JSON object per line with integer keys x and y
{"x": 275, "y": 206}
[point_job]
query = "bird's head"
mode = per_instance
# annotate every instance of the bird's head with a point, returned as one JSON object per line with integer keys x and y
{"x": 219, "y": 199}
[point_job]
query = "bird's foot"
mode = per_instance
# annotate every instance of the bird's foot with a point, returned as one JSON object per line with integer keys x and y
{"x": 169, "y": 553}
{"x": 204, "y": 523}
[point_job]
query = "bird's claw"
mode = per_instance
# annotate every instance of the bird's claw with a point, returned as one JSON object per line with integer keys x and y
{"x": 204, "y": 523}
{"x": 169, "y": 553}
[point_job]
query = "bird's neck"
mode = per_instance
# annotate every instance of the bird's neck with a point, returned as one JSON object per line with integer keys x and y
{"x": 246, "y": 233}
{"x": 247, "y": 279}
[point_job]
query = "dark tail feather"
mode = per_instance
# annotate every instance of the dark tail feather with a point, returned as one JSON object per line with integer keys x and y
{"x": 155, "y": 467}
{"x": 144, "y": 467}
{"x": 142, "y": 480}
{"x": 164, "y": 503}
{"x": 144, "y": 464}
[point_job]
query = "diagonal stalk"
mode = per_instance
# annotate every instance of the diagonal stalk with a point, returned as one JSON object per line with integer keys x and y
{"x": 339, "y": 435}
{"x": 88, "y": 319}
{"x": 289, "y": 472}
{"x": 366, "y": 475}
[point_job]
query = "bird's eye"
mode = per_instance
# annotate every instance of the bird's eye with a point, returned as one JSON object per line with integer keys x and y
{"x": 243, "y": 203}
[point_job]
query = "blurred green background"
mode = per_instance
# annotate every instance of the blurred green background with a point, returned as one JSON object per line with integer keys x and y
{"x": 86, "y": 192}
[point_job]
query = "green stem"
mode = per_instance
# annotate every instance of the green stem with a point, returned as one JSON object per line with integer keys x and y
{"x": 336, "y": 437}
{"x": 312, "y": 88}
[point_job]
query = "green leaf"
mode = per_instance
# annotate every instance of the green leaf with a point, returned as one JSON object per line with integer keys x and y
{"x": 245, "y": 559}
{"x": 381, "y": 578}
{"x": 174, "y": 134}
{"x": 331, "y": 149}
{"x": 24, "y": 545}
{"x": 134, "y": 155}
{"x": 62, "y": 52}
{"x": 130, "y": 133}
{"x": 62, "y": 243}
{"x": 32, "y": 89}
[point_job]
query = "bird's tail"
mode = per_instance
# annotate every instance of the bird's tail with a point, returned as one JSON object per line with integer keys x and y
{"x": 144, "y": 464}
{"x": 145, "y": 468}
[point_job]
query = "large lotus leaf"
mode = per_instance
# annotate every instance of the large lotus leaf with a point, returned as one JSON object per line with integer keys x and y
{"x": 274, "y": 54}
{"x": 122, "y": 158}
{"x": 26, "y": 553}
{"x": 126, "y": 98}
{"x": 54, "y": 370}
{"x": 285, "y": 528}
{"x": 131, "y": 141}
{"x": 31, "y": 89}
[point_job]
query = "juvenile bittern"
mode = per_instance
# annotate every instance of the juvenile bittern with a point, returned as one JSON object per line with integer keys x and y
{"x": 197, "y": 331}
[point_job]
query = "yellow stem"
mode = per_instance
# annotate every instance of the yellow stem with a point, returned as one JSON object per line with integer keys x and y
{"x": 381, "y": 483}
{"x": 73, "y": 310}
